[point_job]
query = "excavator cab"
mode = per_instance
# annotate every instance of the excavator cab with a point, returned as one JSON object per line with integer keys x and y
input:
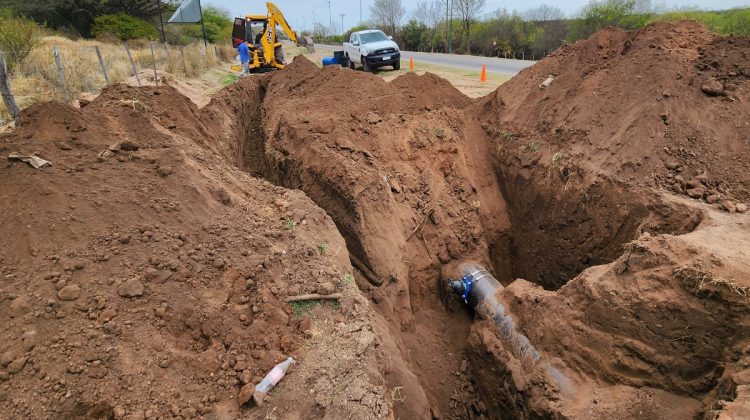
{"x": 259, "y": 31}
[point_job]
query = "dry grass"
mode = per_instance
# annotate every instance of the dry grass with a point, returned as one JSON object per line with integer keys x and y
{"x": 699, "y": 281}
{"x": 35, "y": 78}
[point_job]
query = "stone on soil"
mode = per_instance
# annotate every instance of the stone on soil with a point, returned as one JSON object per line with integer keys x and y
{"x": 130, "y": 288}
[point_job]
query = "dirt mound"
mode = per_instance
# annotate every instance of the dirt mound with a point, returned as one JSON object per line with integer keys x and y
{"x": 146, "y": 276}
{"x": 659, "y": 106}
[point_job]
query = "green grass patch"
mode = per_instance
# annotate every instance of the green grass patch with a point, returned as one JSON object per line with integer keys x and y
{"x": 228, "y": 79}
{"x": 304, "y": 308}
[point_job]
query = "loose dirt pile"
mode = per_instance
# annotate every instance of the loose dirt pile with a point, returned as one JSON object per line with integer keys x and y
{"x": 151, "y": 263}
{"x": 144, "y": 276}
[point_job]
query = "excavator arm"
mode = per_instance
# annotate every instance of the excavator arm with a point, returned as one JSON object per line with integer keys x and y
{"x": 275, "y": 15}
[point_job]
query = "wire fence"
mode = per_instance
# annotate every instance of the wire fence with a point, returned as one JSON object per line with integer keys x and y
{"x": 61, "y": 69}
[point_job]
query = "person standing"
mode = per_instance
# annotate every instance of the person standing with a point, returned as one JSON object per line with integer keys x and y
{"x": 244, "y": 52}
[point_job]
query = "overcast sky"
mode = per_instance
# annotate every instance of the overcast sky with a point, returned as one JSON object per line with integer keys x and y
{"x": 299, "y": 13}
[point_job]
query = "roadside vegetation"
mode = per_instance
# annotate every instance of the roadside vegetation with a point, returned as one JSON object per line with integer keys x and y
{"x": 535, "y": 32}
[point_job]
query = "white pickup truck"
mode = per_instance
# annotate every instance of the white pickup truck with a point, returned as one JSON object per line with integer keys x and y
{"x": 372, "y": 49}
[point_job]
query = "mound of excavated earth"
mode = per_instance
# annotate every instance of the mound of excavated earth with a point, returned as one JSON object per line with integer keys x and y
{"x": 605, "y": 187}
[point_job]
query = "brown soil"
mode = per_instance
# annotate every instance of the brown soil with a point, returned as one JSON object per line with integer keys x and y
{"x": 149, "y": 263}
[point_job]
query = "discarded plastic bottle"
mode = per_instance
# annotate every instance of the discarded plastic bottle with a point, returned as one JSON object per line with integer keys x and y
{"x": 274, "y": 376}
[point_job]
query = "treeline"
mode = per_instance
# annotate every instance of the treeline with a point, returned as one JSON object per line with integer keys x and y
{"x": 464, "y": 27}
{"x": 118, "y": 19}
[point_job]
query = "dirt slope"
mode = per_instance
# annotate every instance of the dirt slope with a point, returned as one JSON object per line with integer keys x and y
{"x": 143, "y": 275}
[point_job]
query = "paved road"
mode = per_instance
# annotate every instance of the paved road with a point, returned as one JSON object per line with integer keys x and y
{"x": 469, "y": 62}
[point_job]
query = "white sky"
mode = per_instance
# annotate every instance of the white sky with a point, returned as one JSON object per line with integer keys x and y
{"x": 299, "y": 14}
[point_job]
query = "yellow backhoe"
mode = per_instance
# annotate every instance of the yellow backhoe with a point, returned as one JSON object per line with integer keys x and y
{"x": 259, "y": 31}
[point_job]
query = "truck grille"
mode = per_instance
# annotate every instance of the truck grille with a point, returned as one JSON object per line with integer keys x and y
{"x": 385, "y": 51}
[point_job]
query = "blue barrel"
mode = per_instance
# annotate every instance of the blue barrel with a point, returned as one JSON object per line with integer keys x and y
{"x": 328, "y": 61}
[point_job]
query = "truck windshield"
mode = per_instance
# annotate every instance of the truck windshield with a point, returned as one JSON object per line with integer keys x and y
{"x": 369, "y": 37}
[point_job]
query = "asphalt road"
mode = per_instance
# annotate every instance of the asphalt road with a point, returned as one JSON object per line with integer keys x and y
{"x": 469, "y": 62}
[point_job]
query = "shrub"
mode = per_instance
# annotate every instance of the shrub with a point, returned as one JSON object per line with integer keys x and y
{"x": 18, "y": 36}
{"x": 123, "y": 26}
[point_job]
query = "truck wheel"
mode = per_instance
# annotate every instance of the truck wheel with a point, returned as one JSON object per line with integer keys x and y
{"x": 351, "y": 63}
{"x": 397, "y": 65}
{"x": 365, "y": 66}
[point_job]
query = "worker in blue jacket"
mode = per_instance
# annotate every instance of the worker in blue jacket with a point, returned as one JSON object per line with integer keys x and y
{"x": 244, "y": 52}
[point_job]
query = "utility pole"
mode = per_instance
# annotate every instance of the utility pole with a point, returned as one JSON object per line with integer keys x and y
{"x": 330, "y": 20}
{"x": 360, "y": 12}
{"x": 342, "y": 23}
{"x": 313, "y": 27}
{"x": 450, "y": 30}
{"x": 447, "y": 34}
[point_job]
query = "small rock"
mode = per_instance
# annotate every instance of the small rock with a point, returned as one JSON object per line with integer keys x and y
{"x": 17, "y": 365}
{"x": 373, "y": 118}
{"x": 164, "y": 171}
{"x": 671, "y": 164}
{"x": 129, "y": 146}
{"x": 246, "y": 394}
{"x": 69, "y": 292}
{"x": 245, "y": 377}
{"x": 740, "y": 207}
{"x": 130, "y": 288}
{"x": 119, "y": 412}
{"x": 713, "y": 87}
{"x": 164, "y": 363}
{"x": 728, "y": 205}
{"x": 693, "y": 183}
{"x": 696, "y": 192}
{"x": 326, "y": 288}
{"x": 464, "y": 366}
{"x": 713, "y": 198}
{"x": 364, "y": 341}
{"x": 305, "y": 325}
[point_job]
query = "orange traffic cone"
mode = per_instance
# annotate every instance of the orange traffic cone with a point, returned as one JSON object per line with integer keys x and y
{"x": 483, "y": 76}
{"x": 411, "y": 63}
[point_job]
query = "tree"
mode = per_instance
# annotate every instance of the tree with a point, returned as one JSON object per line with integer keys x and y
{"x": 628, "y": 14}
{"x": 430, "y": 14}
{"x": 543, "y": 13}
{"x": 79, "y": 15}
{"x": 466, "y": 13}
{"x": 18, "y": 36}
{"x": 388, "y": 14}
{"x": 414, "y": 35}
{"x": 123, "y": 26}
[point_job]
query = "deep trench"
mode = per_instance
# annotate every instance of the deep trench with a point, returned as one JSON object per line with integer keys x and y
{"x": 553, "y": 236}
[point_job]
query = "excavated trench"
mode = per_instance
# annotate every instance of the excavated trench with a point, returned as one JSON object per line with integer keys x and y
{"x": 556, "y": 230}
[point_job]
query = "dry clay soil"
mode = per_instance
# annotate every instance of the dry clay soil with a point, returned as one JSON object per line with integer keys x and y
{"x": 145, "y": 272}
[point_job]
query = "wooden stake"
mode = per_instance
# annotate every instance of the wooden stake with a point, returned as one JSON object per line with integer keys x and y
{"x": 153, "y": 58}
{"x": 132, "y": 64}
{"x": 101, "y": 64}
{"x": 10, "y": 101}
{"x": 314, "y": 296}
{"x": 60, "y": 72}
{"x": 184, "y": 63}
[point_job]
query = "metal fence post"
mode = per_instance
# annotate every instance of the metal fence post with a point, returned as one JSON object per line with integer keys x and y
{"x": 60, "y": 72}
{"x": 153, "y": 58}
{"x": 184, "y": 63}
{"x": 132, "y": 64}
{"x": 10, "y": 101}
{"x": 169, "y": 66}
{"x": 101, "y": 64}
